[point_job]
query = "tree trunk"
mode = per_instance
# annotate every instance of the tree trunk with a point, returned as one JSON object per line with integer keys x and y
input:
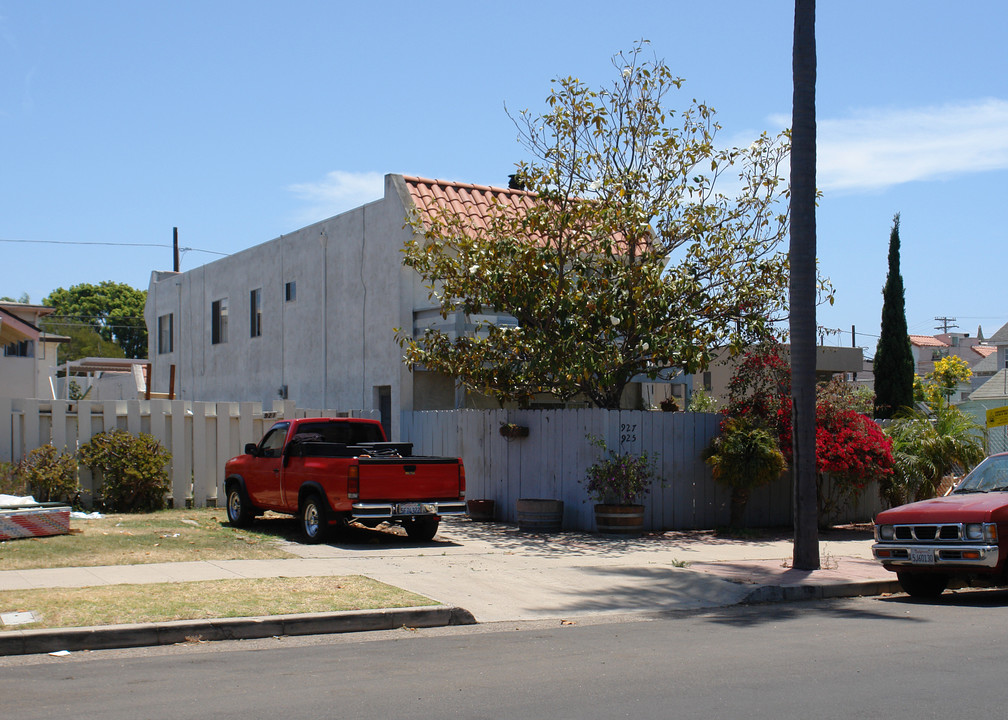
{"x": 803, "y": 287}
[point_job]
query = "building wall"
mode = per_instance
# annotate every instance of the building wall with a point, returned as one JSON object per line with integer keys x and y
{"x": 331, "y": 347}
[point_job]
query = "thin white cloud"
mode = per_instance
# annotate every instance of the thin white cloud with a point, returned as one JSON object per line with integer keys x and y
{"x": 338, "y": 192}
{"x": 875, "y": 149}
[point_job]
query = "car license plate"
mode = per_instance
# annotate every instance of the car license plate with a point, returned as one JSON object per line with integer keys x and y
{"x": 412, "y": 509}
{"x": 922, "y": 557}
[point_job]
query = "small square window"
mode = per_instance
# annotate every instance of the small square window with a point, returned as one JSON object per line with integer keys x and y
{"x": 290, "y": 291}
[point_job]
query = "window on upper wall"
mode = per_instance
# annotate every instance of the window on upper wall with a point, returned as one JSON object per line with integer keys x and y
{"x": 166, "y": 333}
{"x": 218, "y": 321}
{"x": 255, "y": 313}
{"x": 22, "y": 348}
{"x": 290, "y": 291}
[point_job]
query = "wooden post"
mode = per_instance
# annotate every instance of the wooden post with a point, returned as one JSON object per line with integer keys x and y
{"x": 171, "y": 383}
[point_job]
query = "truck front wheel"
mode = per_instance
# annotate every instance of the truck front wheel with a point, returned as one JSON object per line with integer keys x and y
{"x": 421, "y": 529}
{"x": 239, "y": 509}
{"x": 925, "y": 586}
{"x": 314, "y": 519}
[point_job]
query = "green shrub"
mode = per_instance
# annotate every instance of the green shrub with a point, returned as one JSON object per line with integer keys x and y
{"x": 744, "y": 456}
{"x": 131, "y": 468}
{"x": 11, "y": 483}
{"x": 49, "y": 474}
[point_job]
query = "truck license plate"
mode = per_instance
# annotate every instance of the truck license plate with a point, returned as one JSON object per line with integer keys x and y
{"x": 412, "y": 509}
{"x": 922, "y": 557}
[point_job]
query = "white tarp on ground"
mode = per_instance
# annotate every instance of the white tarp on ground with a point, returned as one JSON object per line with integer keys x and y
{"x": 11, "y": 501}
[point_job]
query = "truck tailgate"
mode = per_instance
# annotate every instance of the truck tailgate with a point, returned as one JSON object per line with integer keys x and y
{"x": 409, "y": 479}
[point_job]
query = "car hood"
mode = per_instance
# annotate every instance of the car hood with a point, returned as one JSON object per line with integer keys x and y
{"x": 973, "y": 507}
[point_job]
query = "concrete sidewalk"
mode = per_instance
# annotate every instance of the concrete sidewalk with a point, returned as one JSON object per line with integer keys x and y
{"x": 497, "y": 573}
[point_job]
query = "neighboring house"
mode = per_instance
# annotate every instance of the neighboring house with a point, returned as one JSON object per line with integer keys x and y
{"x": 29, "y": 354}
{"x": 95, "y": 378}
{"x": 311, "y": 316}
{"x": 830, "y": 361}
{"x": 995, "y": 369}
{"x": 929, "y": 349}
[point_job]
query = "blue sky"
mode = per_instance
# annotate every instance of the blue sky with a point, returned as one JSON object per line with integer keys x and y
{"x": 240, "y": 121}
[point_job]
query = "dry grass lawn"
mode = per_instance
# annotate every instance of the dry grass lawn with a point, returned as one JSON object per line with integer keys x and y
{"x": 117, "y": 604}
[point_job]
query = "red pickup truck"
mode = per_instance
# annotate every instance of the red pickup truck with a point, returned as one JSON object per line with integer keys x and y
{"x": 330, "y": 471}
{"x": 962, "y": 536}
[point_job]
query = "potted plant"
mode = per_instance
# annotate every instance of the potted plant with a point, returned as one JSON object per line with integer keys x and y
{"x": 513, "y": 430}
{"x": 617, "y": 483}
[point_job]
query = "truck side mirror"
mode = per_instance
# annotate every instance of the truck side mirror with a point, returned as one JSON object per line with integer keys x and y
{"x": 250, "y": 449}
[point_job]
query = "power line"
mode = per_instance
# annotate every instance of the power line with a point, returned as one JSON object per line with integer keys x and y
{"x": 113, "y": 244}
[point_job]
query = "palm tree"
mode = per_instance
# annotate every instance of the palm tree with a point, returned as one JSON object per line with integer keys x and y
{"x": 803, "y": 277}
{"x": 927, "y": 447}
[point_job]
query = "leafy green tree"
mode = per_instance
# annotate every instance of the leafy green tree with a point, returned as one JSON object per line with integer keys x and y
{"x": 114, "y": 310}
{"x": 625, "y": 256}
{"x": 894, "y": 365}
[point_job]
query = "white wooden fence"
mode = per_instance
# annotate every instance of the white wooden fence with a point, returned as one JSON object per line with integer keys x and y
{"x": 200, "y": 436}
{"x": 551, "y": 463}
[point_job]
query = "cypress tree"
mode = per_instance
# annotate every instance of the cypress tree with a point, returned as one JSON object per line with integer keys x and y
{"x": 894, "y": 365}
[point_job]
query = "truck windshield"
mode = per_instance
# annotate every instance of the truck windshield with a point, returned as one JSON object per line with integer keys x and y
{"x": 989, "y": 476}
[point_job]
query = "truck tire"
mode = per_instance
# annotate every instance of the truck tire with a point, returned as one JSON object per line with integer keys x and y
{"x": 239, "y": 509}
{"x": 925, "y": 586}
{"x": 421, "y": 529}
{"x": 314, "y": 519}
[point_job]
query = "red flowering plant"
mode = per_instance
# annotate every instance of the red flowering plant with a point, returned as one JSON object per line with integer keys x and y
{"x": 619, "y": 479}
{"x": 851, "y": 450}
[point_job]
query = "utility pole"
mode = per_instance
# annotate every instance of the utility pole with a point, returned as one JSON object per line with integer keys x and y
{"x": 947, "y": 324}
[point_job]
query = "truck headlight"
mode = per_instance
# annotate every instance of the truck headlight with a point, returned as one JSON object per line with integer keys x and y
{"x": 982, "y": 531}
{"x": 885, "y": 532}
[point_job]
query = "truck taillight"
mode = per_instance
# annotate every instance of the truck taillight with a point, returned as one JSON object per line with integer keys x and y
{"x": 353, "y": 482}
{"x": 461, "y": 481}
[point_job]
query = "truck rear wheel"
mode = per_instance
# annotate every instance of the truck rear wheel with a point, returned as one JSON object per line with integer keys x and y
{"x": 314, "y": 519}
{"x": 239, "y": 509}
{"x": 421, "y": 529}
{"x": 926, "y": 586}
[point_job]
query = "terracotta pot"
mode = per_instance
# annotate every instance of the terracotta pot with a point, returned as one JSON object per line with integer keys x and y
{"x": 481, "y": 510}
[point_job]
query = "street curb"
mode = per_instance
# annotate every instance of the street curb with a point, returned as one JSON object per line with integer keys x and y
{"x": 28, "y": 642}
{"x": 794, "y": 593}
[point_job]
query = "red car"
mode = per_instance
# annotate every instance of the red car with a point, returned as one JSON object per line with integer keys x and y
{"x": 962, "y": 536}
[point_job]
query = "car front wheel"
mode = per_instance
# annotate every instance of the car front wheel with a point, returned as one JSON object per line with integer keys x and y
{"x": 239, "y": 510}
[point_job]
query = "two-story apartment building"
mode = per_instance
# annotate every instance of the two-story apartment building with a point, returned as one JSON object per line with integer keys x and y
{"x": 28, "y": 357}
{"x": 311, "y": 316}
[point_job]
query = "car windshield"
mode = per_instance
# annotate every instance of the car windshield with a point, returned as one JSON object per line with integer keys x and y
{"x": 989, "y": 476}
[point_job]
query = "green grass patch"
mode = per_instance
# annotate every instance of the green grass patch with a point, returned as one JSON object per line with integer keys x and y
{"x": 118, "y": 604}
{"x": 165, "y": 536}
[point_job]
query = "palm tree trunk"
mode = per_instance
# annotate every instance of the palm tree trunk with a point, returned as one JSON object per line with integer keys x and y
{"x": 803, "y": 287}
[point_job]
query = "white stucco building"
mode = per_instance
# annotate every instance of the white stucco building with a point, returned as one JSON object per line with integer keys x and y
{"x": 311, "y": 316}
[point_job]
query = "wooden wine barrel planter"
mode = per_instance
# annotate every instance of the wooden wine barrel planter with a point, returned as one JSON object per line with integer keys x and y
{"x": 540, "y": 515}
{"x": 626, "y": 520}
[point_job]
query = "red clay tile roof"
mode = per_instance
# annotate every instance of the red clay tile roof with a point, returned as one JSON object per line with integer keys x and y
{"x": 926, "y": 341}
{"x": 433, "y": 196}
{"x": 983, "y": 350}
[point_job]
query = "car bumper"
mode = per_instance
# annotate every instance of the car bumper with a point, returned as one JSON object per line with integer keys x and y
{"x": 364, "y": 511}
{"x": 922, "y": 556}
